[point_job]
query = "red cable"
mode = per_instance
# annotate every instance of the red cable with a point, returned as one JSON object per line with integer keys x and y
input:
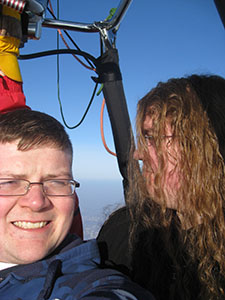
{"x": 103, "y": 102}
{"x": 60, "y": 33}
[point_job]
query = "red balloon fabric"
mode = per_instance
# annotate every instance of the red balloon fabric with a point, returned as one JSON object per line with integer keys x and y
{"x": 11, "y": 95}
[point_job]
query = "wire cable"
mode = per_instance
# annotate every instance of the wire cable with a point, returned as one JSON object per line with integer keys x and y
{"x": 102, "y": 130}
{"x": 72, "y": 41}
{"x": 85, "y": 113}
{"x": 58, "y": 51}
{"x": 58, "y": 89}
{"x": 79, "y": 60}
{"x": 88, "y": 58}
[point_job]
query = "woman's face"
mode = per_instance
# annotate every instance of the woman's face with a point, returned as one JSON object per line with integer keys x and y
{"x": 170, "y": 182}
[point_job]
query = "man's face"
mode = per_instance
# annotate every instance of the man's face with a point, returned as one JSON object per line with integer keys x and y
{"x": 33, "y": 225}
{"x": 171, "y": 177}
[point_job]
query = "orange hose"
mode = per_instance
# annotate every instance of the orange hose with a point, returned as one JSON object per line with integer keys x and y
{"x": 102, "y": 129}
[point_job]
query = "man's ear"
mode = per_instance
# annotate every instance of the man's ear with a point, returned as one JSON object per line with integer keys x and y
{"x": 77, "y": 224}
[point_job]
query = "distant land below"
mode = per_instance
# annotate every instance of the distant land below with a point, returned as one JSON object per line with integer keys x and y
{"x": 98, "y": 199}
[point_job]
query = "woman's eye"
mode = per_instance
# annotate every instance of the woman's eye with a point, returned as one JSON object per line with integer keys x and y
{"x": 149, "y": 140}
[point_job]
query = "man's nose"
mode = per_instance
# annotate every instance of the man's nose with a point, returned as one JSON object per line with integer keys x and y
{"x": 35, "y": 198}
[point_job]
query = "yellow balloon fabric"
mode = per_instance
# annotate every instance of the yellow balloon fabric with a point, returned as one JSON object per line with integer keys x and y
{"x": 9, "y": 48}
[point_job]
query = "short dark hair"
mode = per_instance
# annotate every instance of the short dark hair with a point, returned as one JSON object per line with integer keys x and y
{"x": 32, "y": 129}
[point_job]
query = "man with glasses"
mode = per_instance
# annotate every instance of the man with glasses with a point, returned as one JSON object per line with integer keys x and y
{"x": 39, "y": 259}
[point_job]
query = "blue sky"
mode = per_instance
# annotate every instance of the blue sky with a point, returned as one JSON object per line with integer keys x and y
{"x": 156, "y": 40}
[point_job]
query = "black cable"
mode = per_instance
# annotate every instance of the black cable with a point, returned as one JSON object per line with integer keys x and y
{"x": 55, "y": 52}
{"x": 71, "y": 39}
{"x": 65, "y": 51}
{"x": 85, "y": 113}
{"x": 58, "y": 87}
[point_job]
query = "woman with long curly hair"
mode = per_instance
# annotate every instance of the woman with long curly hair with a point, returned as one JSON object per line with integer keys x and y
{"x": 176, "y": 203}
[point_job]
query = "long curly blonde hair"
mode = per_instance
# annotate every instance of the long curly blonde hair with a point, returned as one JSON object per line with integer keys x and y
{"x": 195, "y": 108}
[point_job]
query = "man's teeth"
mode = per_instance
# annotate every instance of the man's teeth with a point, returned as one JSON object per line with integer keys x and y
{"x": 29, "y": 225}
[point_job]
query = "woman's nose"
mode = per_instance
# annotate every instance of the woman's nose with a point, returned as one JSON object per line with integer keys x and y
{"x": 137, "y": 155}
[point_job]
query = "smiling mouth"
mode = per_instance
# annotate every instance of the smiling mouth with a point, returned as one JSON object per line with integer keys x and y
{"x": 30, "y": 225}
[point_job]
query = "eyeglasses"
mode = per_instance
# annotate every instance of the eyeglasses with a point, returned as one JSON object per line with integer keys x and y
{"x": 150, "y": 139}
{"x": 53, "y": 187}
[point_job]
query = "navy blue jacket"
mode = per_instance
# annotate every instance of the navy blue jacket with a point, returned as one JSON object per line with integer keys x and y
{"x": 72, "y": 272}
